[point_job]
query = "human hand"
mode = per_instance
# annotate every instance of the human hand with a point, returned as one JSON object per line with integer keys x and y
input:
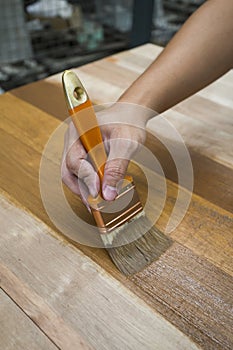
{"x": 123, "y": 131}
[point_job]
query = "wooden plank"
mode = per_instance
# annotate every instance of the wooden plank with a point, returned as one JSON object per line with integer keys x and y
{"x": 147, "y": 50}
{"x": 220, "y": 92}
{"x": 208, "y": 112}
{"x": 192, "y": 287}
{"x": 131, "y": 61}
{"x": 37, "y": 309}
{"x": 212, "y": 181}
{"x": 41, "y": 95}
{"x": 17, "y": 330}
{"x": 31, "y": 126}
{"x": 204, "y": 138}
{"x": 119, "y": 76}
{"x": 67, "y": 294}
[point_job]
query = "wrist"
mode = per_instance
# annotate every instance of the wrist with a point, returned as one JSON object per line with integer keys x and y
{"x": 127, "y": 112}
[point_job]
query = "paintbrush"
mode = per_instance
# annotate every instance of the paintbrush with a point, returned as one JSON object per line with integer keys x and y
{"x": 121, "y": 222}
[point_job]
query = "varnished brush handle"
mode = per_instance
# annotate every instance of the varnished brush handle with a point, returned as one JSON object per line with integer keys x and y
{"x": 83, "y": 115}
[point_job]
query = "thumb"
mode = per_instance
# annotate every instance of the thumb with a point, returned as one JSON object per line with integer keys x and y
{"x": 114, "y": 171}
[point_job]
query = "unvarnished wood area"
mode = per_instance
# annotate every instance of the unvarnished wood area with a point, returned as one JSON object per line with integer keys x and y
{"x": 60, "y": 294}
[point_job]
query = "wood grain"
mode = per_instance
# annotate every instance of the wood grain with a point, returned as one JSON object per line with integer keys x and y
{"x": 205, "y": 229}
{"x": 25, "y": 162}
{"x": 220, "y": 91}
{"x": 208, "y": 112}
{"x": 41, "y": 95}
{"x": 190, "y": 285}
{"x": 37, "y": 309}
{"x": 17, "y": 330}
{"x": 202, "y": 137}
{"x": 212, "y": 181}
{"x": 86, "y": 299}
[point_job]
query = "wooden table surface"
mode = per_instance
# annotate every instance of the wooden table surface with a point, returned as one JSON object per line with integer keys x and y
{"x": 56, "y": 294}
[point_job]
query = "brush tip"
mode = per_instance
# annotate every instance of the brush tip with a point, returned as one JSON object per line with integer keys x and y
{"x": 136, "y": 255}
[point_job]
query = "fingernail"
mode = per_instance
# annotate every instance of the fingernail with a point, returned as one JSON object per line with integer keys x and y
{"x": 109, "y": 193}
{"x": 93, "y": 191}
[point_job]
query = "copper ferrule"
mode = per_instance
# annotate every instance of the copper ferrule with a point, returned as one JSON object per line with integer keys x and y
{"x": 109, "y": 215}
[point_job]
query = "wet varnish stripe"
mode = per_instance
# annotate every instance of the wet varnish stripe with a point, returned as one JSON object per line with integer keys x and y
{"x": 197, "y": 291}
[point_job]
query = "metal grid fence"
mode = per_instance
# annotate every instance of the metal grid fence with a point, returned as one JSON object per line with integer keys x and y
{"x": 41, "y": 37}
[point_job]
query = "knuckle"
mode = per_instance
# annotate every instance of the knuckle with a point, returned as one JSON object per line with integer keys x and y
{"x": 115, "y": 171}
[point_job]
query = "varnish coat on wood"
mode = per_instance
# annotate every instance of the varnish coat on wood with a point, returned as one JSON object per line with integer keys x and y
{"x": 189, "y": 286}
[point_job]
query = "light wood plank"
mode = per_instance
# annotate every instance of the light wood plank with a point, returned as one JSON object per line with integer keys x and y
{"x": 17, "y": 330}
{"x": 47, "y": 319}
{"x": 74, "y": 292}
{"x": 147, "y": 50}
{"x": 202, "y": 137}
{"x": 220, "y": 91}
{"x": 131, "y": 61}
{"x": 208, "y": 112}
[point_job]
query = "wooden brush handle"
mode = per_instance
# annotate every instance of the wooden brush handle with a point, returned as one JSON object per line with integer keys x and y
{"x": 86, "y": 123}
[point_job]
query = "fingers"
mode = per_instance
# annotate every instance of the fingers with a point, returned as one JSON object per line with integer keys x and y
{"x": 75, "y": 185}
{"x": 115, "y": 171}
{"x": 77, "y": 173}
{"x": 81, "y": 168}
{"x": 121, "y": 151}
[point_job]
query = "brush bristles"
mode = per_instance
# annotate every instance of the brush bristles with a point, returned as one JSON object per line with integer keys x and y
{"x": 133, "y": 257}
{"x": 117, "y": 236}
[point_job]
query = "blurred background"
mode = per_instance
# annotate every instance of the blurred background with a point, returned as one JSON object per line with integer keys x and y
{"x": 42, "y": 37}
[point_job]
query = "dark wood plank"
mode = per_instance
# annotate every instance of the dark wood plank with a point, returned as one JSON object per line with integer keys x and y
{"x": 45, "y": 96}
{"x": 212, "y": 180}
{"x": 194, "y": 289}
